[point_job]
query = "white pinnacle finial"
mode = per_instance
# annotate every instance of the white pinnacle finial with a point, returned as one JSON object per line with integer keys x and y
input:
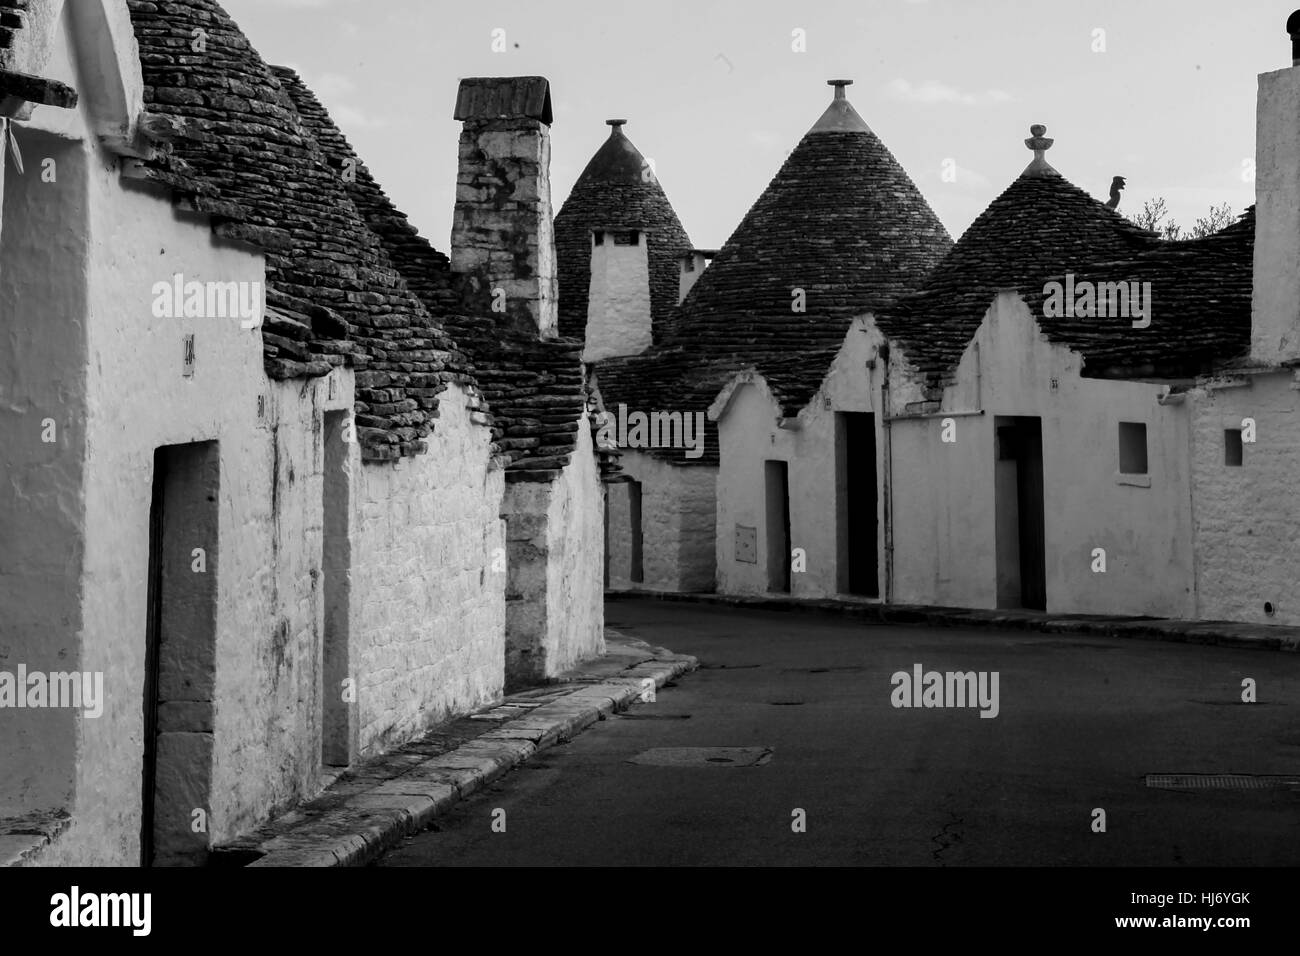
{"x": 1040, "y": 144}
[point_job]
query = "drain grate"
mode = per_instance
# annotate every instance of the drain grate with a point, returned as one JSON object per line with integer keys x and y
{"x": 704, "y": 757}
{"x": 654, "y": 716}
{"x": 1221, "y": 781}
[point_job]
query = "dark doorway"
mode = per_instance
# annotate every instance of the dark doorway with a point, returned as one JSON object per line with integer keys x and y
{"x": 776, "y": 475}
{"x": 634, "y": 510}
{"x": 857, "y": 497}
{"x": 153, "y": 624}
{"x": 180, "y": 655}
{"x": 605, "y": 496}
{"x": 339, "y": 726}
{"x": 1021, "y": 550}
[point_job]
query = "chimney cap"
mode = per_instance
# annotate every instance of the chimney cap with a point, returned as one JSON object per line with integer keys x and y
{"x": 616, "y": 123}
{"x": 839, "y": 87}
{"x": 504, "y": 97}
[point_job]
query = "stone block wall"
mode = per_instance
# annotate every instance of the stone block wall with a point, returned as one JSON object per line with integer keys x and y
{"x": 555, "y": 599}
{"x": 429, "y": 605}
{"x": 678, "y": 521}
{"x": 575, "y": 596}
{"x": 502, "y": 234}
{"x": 1245, "y": 517}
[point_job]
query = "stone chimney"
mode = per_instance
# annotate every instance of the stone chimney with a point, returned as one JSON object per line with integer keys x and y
{"x": 502, "y": 242}
{"x": 692, "y": 266}
{"x": 1275, "y": 308}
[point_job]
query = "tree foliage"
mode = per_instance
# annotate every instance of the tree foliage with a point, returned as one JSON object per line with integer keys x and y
{"x": 1155, "y": 212}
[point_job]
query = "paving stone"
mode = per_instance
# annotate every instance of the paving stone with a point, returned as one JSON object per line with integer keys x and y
{"x": 15, "y": 847}
{"x": 368, "y": 809}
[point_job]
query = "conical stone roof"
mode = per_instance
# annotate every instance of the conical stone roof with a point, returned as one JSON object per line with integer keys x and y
{"x": 840, "y": 229}
{"x": 1041, "y": 225}
{"x": 617, "y": 190}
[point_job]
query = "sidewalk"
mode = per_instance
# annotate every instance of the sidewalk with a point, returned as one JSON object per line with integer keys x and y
{"x": 1224, "y": 633}
{"x": 371, "y": 807}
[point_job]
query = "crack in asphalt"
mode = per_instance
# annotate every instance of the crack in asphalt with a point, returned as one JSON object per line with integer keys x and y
{"x": 946, "y": 837}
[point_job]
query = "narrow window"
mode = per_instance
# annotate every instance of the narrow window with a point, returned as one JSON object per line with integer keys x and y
{"x": 1232, "y": 446}
{"x": 1132, "y": 448}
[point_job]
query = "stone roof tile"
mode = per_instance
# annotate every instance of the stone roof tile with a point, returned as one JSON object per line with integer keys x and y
{"x": 1040, "y": 225}
{"x": 13, "y": 17}
{"x": 1199, "y": 308}
{"x": 535, "y": 390}
{"x": 244, "y": 146}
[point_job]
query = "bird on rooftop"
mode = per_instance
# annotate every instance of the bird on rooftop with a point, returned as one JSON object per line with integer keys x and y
{"x": 1116, "y": 185}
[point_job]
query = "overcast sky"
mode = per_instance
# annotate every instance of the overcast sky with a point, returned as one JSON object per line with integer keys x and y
{"x": 714, "y": 93}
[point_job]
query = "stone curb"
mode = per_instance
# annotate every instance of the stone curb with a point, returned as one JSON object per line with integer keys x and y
{"x": 1221, "y": 633}
{"x": 371, "y": 821}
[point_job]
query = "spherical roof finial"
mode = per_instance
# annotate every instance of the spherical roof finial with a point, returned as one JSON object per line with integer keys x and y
{"x": 1037, "y": 141}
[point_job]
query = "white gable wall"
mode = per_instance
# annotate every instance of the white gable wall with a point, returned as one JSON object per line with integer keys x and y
{"x": 749, "y": 435}
{"x": 944, "y": 504}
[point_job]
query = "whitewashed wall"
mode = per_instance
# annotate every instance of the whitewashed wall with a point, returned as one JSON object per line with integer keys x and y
{"x": 82, "y": 347}
{"x": 575, "y": 593}
{"x": 678, "y": 520}
{"x": 1247, "y": 548}
{"x": 555, "y": 597}
{"x": 618, "y": 310}
{"x": 944, "y": 497}
{"x": 137, "y": 400}
{"x": 429, "y": 624}
{"x": 749, "y": 435}
{"x": 943, "y": 515}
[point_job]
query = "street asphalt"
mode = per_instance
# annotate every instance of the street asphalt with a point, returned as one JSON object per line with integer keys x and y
{"x": 1080, "y": 725}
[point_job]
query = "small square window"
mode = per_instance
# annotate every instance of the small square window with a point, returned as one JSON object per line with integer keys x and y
{"x": 1132, "y": 448}
{"x": 627, "y": 238}
{"x": 1232, "y": 447}
{"x": 597, "y": 237}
